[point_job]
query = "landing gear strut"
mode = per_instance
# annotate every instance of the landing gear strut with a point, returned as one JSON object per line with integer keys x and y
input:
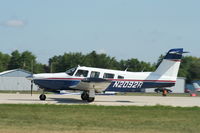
{"x": 43, "y": 96}
{"x": 88, "y": 96}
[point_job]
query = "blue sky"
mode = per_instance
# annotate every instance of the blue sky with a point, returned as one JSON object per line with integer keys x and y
{"x": 124, "y": 29}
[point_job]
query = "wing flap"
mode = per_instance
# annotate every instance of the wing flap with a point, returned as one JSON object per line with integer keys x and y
{"x": 98, "y": 84}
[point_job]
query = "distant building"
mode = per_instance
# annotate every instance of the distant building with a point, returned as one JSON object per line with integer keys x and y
{"x": 178, "y": 88}
{"x": 15, "y": 80}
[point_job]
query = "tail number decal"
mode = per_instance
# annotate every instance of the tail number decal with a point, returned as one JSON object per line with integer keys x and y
{"x": 128, "y": 84}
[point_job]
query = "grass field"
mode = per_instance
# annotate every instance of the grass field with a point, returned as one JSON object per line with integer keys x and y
{"x": 97, "y": 119}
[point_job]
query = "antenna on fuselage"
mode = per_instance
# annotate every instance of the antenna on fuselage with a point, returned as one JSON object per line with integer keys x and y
{"x": 143, "y": 69}
{"x": 126, "y": 69}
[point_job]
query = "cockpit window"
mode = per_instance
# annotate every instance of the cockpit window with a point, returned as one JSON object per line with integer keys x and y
{"x": 71, "y": 71}
{"x": 81, "y": 73}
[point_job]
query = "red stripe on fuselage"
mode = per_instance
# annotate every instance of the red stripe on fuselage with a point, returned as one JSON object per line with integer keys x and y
{"x": 143, "y": 80}
{"x": 66, "y": 78}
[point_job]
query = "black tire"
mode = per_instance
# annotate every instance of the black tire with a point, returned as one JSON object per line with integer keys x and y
{"x": 90, "y": 99}
{"x": 42, "y": 97}
{"x": 84, "y": 96}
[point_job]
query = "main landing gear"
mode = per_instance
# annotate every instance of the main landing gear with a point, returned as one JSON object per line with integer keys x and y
{"x": 88, "y": 96}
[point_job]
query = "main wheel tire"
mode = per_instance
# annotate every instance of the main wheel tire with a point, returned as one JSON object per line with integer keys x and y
{"x": 43, "y": 97}
{"x": 90, "y": 99}
{"x": 84, "y": 96}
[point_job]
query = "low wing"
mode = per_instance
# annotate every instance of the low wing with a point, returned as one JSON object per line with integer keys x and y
{"x": 98, "y": 84}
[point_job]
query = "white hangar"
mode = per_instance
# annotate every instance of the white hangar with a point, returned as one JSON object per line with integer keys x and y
{"x": 15, "y": 80}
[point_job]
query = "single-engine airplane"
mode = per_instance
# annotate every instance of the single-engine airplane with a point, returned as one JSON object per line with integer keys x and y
{"x": 196, "y": 86}
{"x": 91, "y": 80}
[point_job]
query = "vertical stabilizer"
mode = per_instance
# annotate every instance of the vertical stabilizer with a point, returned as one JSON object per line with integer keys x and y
{"x": 196, "y": 86}
{"x": 170, "y": 64}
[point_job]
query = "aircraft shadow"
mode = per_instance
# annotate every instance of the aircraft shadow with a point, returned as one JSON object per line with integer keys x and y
{"x": 58, "y": 100}
{"x": 68, "y": 100}
{"x": 117, "y": 101}
{"x": 32, "y": 100}
{"x": 124, "y": 101}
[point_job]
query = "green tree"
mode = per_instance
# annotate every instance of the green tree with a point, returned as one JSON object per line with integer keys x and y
{"x": 134, "y": 65}
{"x": 40, "y": 68}
{"x": 190, "y": 68}
{"x": 25, "y": 60}
{"x": 100, "y": 60}
{"x": 63, "y": 62}
{"x": 28, "y": 61}
{"x": 4, "y": 61}
{"x": 195, "y": 70}
{"x": 15, "y": 61}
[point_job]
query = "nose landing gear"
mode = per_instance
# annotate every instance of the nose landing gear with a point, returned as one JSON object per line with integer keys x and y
{"x": 42, "y": 96}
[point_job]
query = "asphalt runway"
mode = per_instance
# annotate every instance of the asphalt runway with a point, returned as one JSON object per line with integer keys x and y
{"x": 105, "y": 100}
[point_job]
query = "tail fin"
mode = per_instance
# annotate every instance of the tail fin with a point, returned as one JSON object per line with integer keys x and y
{"x": 196, "y": 86}
{"x": 170, "y": 64}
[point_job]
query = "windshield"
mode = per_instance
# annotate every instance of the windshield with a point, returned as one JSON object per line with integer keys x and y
{"x": 71, "y": 71}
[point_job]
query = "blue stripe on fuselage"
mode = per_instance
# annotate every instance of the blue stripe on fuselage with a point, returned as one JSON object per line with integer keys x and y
{"x": 56, "y": 84}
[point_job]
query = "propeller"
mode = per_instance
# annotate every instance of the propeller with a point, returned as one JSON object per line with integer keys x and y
{"x": 30, "y": 77}
{"x": 32, "y": 81}
{"x": 31, "y": 87}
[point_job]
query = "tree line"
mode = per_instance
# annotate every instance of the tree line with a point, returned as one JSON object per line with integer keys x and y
{"x": 190, "y": 66}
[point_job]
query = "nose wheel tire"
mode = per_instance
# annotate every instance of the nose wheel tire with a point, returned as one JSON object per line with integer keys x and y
{"x": 42, "y": 97}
